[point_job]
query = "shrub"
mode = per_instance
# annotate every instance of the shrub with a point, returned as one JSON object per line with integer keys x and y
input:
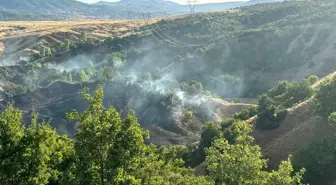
{"x": 332, "y": 120}
{"x": 326, "y": 98}
{"x": 246, "y": 113}
{"x": 269, "y": 114}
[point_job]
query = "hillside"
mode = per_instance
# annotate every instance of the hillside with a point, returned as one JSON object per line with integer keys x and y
{"x": 167, "y": 121}
{"x": 22, "y": 40}
{"x": 209, "y": 86}
{"x": 126, "y": 9}
{"x": 57, "y": 10}
{"x": 298, "y": 39}
{"x": 299, "y": 42}
{"x": 171, "y": 8}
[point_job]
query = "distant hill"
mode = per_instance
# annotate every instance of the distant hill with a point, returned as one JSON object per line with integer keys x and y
{"x": 156, "y": 7}
{"x": 139, "y": 3}
{"x": 174, "y": 8}
{"x": 53, "y": 9}
{"x": 72, "y": 9}
{"x": 43, "y": 5}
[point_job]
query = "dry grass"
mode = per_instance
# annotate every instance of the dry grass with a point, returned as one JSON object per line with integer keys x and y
{"x": 19, "y": 36}
{"x": 17, "y": 28}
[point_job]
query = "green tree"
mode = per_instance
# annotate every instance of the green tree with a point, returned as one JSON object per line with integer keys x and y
{"x": 241, "y": 163}
{"x": 42, "y": 153}
{"x": 326, "y": 98}
{"x": 332, "y": 120}
{"x": 107, "y": 148}
{"x": 43, "y": 52}
{"x": 236, "y": 131}
{"x": 91, "y": 70}
{"x": 33, "y": 156}
{"x": 268, "y": 117}
{"x": 232, "y": 164}
{"x": 83, "y": 76}
{"x": 67, "y": 44}
{"x": 210, "y": 132}
{"x": 67, "y": 76}
{"x": 164, "y": 167}
{"x": 84, "y": 36}
{"x": 11, "y": 133}
{"x": 312, "y": 79}
{"x": 49, "y": 53}
{"x": 284, "y": 175}
{"x": 247, "y": 113}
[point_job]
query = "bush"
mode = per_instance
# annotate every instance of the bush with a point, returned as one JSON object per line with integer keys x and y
{"x": 270, "y": 119}
{"x": 326, "y": 98}
{"x": 312, "y": 79}
{"x": 188, "y": 114}
{"x": 246, "y": 113}
{"x": 332, "y": 120}
{"x": 269, "y": 114}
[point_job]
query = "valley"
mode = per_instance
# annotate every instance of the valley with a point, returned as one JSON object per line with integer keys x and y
{"x": 233, "y": 96}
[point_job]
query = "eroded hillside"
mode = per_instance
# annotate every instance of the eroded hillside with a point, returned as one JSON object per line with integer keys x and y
{"x": 24, "y": 40}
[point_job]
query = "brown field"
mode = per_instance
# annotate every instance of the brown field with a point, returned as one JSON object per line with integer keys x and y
{"x": 20, "y": 37}
{"x": 19, "y": 28}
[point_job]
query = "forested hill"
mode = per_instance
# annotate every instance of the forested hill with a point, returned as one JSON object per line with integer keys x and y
{"x": 214, "y": 94}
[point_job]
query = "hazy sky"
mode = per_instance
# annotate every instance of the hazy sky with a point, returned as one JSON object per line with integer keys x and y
{"x": 177, "y": 1}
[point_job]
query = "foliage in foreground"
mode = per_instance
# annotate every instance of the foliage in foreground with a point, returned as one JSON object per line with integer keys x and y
{"x": 243, "y": 160}
{"x": 108, "y": 150}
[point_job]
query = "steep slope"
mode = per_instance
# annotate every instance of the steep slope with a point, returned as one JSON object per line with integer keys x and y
{"x": 297, "y": 131}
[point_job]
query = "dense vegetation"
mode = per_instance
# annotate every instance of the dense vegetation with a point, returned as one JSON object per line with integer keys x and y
{"x": 110, "y": 150}
{"x": 272, "y": 106}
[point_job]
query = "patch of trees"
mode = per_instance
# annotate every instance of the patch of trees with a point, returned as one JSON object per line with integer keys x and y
{"x": 272, "y": 106}
{"x": 246, "y": 113}
{"x": 109, "y": 150}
